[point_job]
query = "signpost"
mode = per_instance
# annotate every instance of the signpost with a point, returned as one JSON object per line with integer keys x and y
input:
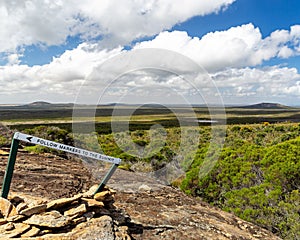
{"x": 54, "y": 145}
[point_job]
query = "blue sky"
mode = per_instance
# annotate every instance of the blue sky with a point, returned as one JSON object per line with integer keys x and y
{"x": 268, "y": 15}
{"x": 249, "y": 48}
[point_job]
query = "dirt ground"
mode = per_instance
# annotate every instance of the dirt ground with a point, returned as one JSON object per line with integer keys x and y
{"x": 46, "y": 175}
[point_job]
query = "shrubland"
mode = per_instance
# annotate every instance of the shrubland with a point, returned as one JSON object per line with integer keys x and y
{"x": 256, "y": 175}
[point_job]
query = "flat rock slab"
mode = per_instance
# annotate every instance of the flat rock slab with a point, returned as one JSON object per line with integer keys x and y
{"x": 96, "y": 228}
{"x": 58, "y": 203}
{"x": 31, "y": 233}
{"x": 78, "y": 211}
{"x": 6, "y": 208}
{"x": 34, "y": 210}
{"x": 169, "y": 214}
{"x": 51, "y": 219}
{"x": 16, "y": 230}
{"x": 92, "y": 202}
{"x": 103, "y": 196}
{"x": 132, "y": 182}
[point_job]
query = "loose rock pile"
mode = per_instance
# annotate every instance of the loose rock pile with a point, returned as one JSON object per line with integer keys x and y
{"x": 83, "y": 216}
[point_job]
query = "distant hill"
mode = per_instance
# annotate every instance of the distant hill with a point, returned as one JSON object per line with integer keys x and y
{"x": 265, "y": 106}
{"x": 39, "y": 103}
{"x": 45, "y": 105}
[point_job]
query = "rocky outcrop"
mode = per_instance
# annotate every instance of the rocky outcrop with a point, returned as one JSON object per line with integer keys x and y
{"x": 142, "y": 213}
{"x": 52, "y": 201}
{"x": 83, "y": 216}
{"x": 162, "y": 212}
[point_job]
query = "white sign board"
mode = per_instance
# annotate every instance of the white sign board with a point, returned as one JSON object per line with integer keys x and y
{"x": 65, "y": 148}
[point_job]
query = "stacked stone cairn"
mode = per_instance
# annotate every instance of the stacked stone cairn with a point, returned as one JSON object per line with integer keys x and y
{"x": 83, "y": 216}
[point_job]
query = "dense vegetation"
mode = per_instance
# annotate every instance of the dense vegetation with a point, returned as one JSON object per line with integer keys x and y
{"x": 257, "y": 175}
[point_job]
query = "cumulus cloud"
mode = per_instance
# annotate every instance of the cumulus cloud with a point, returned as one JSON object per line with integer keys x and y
{"x": 274, "y": 83}
{"x": 61, "y": 80}
{"x": 137, "y": 19}
{"x": 34, "y": 22}
{"x": 48, "y": 23}
{"x": 58, "y": 80}
{"x": 229, "y": 56}
{"x": 13, "y": 58}
{"x": 236, "y": 47}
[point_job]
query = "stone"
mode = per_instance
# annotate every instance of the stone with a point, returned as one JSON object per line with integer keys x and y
{"x": 78, "y": 211}
{"x": 52, "y": 219}
{"x": 3, "y": 221}
{"x": 145, "y": 188}
{"x": 15, "y": 199}
{"x": 34, "y": 210}
{"x": 45, "y": 232}
{"x": 90, "y": 192}
{"x": 2, "y": 228}
{"x": 21, "y": 206}
{"x": 6, "y": 208}
{"x": 15, "y": 218}
{"x": 97, "y": 228}
{"x": 121, "y": 233}
{"x": 58, "y": 203}
{"x": 30, "y": 200}
{"x": 112, "y": 191}
{"x": 101, "y": 211}
{"x": 92, "y": 202}
{"x": 9, "y": 226}
{"x": 103, "y": 196}
{"x": 34, "y": 231}
{"x": 76, "y": 221}
{"x": 18, "y": 229}
{"x": 3, "y": 153}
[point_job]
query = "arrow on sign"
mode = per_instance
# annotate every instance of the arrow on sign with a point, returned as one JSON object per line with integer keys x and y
{"x": 29, "y": 139}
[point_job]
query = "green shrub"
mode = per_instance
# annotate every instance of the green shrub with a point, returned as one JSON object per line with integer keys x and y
{"x": 257, "y": 182}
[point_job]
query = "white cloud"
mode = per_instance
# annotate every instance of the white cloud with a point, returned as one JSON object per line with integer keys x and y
{"x": 34, "y": 22}
{"x": 292, "y": 90}
{"x": 13, "y": 59}
{"x": 278, "y": 84}
{"x": 48, "y": 23}
{"x": 61, "y": 79}
{"x": 237, "y": 47}
{"x": 285, "y": 52}
{"x": 227, "y": 55}
{"x": 136, "y": 19}
{"x": 58, "y": 80}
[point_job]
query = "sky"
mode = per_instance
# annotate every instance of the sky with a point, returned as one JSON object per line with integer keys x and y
{"x": 66, "y": 51}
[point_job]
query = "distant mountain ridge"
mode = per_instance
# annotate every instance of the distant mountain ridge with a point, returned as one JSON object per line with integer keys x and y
{"x": 44, "y": 104}
{"x": 265, "y": 106}
{"x": 39, "y": 103}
